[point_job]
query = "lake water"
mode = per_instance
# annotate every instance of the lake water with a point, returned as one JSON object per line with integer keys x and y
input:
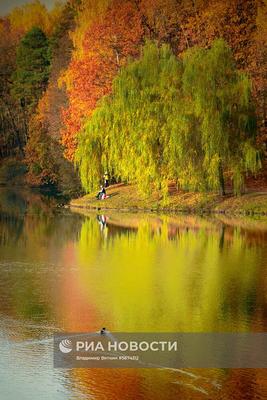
{"x": 64, "y": 271}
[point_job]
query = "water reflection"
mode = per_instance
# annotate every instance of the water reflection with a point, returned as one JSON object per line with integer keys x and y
{"x": 179, "y": 274}
{"x": 67, "y": 271}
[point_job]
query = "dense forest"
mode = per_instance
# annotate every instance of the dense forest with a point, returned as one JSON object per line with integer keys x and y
{"x": 151, "y": 91}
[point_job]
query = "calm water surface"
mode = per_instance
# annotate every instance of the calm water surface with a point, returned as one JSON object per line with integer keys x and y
{"x": 63, "y": 271}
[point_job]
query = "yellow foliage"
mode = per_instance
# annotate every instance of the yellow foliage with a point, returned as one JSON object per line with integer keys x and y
{"x": 34, "y": 13}
{"x": 88, "y": 12}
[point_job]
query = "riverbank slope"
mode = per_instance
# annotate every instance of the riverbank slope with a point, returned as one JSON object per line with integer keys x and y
{"x": 127, "y": 198}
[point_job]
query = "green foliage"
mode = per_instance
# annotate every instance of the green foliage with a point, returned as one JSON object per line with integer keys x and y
{"x": 189, "y": 120}
{"x": 218, "y": 97}
{"x": 32, "y": 67}
{"x": 128, "y": 133}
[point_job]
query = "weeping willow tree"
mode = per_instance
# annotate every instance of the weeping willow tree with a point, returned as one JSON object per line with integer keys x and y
{"x": 191, "y": 121}
{"x": 128, "y": 133}
{"x": 218, "y": 100}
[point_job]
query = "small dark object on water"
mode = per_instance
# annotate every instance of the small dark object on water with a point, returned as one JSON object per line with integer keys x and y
{"x": 103, "y": 331}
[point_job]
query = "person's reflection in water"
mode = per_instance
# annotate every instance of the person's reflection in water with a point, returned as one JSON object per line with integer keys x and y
{"x": 221, "y": 242}
{"x": 102, "y": 220}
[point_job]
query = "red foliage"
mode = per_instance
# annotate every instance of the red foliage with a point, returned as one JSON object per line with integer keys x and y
{"x": 117, "y": 35}
{"x": 108, "y": 44}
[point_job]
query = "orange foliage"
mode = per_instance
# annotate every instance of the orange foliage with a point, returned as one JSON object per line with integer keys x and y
{"x": 109, "y": 31}
{"x": 42, "y": 167}
{"x": 107, "y": 44}
{"x": 162, "y": 20}
{"x": 87, "y": 11}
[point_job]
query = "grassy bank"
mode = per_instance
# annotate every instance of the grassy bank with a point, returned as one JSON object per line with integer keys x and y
{"x": 127, "y": 198}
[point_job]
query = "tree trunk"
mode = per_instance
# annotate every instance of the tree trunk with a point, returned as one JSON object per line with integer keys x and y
{"x": 221, "y": 179}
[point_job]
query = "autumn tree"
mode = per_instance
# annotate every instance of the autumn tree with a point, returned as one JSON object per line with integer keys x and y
{"x": 128, "y": 133}
{"x": 87, "y": 12}
{"x": 13, "y": 117}
{"x": 55, "y": 98}
{"x": 108, "y": 43}
{"x": 11, "y": 121}
{"x": 220, "y": 99}
{"x": 91, "y": 41}
{"x": 39, "y": 157}
{"x": 34, "y": 13}
{"x": 44, "y": 153}
{"x": 191, "y": 121}
{"x": 258, "y": 69}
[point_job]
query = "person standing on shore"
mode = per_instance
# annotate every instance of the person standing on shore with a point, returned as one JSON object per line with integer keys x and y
{"x": 106, "y": 179}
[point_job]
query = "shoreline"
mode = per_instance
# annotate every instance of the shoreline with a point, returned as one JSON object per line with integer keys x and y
{"x": 125, "y": 198}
